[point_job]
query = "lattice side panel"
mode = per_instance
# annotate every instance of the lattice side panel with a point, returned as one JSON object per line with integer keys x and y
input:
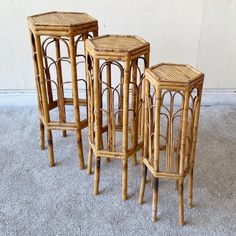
{"x": 57, "y": 67}
{"x": 170, "y": 130}
{"x": 56, "y": 57}
{"x": 111, "y": 86}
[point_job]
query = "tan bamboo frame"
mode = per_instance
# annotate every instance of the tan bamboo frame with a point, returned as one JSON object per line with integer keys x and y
{"x": 171, "y": 80}
{"x": 123, "y": 51}
{"x": 68, "y": 28}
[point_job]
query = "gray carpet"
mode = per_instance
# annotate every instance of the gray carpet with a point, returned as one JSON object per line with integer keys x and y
{"x": 37, "y": 200}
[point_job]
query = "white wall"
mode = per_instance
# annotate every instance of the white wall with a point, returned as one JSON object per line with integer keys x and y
{"x": 197, "y": 32}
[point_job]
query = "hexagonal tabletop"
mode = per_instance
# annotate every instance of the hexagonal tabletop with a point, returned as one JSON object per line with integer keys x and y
{"x": 117, "y": 44}
{"x": 55, "y": 20}
{"x": 174, "y": 73}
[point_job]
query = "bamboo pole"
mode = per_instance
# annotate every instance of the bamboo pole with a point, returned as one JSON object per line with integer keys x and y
{"x": 76, "y": 101}
{"x": 42, "y": 145}
{"x": 156, "y": 153}
{"x": 98, "y": 125}
{"x": 61, "y": 102}
{"x": 145, "y": 145}
{"x": 109, "y": 107}
{"x": 125, "y": 129}
{"x": 179, "y": 143}
{"x": 182, "y": 156}
{"x": 146, "y": 60}
{"x": 44, "y": 97}
{"x": 89, "y": 111}
{"x": 193, "y": 150}
{"x": 39, "y": 95}
{"x": 190, "y": 189}
{"x": 146, "y": 65}
{"x": 90, "y": 161}
{"x": 134, "y": 134}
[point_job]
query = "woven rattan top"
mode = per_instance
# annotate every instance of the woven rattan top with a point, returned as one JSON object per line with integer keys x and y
{"x": 112, "y": 45}
{"x": 60, "y": 19}
{"x": 56, "y": 21}
{"x": 175, "y": 73}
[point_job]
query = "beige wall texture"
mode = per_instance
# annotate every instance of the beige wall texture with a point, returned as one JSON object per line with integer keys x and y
{"x": 197, "y": 32}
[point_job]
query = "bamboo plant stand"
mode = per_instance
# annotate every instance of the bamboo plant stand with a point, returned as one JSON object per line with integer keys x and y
{"x": 115, "y": 78}
{"x": 172, "y": 105}
{"x": 57, "y": 40}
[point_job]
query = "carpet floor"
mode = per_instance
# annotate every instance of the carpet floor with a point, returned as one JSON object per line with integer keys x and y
{"x": 38, "y": 200}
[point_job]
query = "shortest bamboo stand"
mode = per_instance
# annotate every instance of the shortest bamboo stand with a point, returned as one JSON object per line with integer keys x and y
{"x": 57, "y": 40}
{"x": 115, "y": 77}
{"x": 172, "y": 105}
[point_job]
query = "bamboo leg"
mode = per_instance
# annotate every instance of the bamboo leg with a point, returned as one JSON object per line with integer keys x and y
{"x": 134, "y": 134}
{"x": 98, "y": 124}
{"x": 42, "y": 142}
{"x": 124, "y": 179}
{"x": 152, "y": 181}
{"x": 44, "y": 97}
{"x": 182, "y": 155}
{"x": 76, "y": 102}
{"x": 39, "y": 95}
{"x": 177, "y": 170}
{"x": 89, "y": 115}
{"x": 85, "y": 37}
{"x": 80, "y": 148}
{"x": 193, "y": 151}
{"x": 97, "y": 175}
{"x": 143, "y": 183}
{"x": 125, "y": 114}
{"x": 142, "y": 117}
{"x": 50, "y": 148}
{"x": 61, "y": 102}
{"x": 181, "y": 203}
{"x": 120, "y": 103}
{"x": 190, "y": 189}
{"x": 90, "y": 160}
{"x": 155, "y": 200}
{"x": 145, "y": 141}
{"x": 147, "y": 57}
{"x": 109, "y": 95}
{"x": 156, "y": 154}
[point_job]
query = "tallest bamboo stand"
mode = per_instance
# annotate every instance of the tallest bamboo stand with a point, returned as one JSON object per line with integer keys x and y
{"x": 56, "y": 38}
{"x": 115, "y": 95}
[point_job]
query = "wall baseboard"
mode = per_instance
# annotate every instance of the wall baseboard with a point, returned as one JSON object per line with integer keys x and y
{"x": 25, "y": 98}
{"x": 219, "y": 97}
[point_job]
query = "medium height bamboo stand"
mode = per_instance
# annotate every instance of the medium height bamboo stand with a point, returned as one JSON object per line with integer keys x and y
{"x": 115, "y": 97}
{"x": 172, "y": 105}
{"x": 57, "y": 39}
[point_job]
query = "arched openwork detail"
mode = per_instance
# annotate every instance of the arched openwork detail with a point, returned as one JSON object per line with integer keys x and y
{"x": 171, "y": 117}
{"x": 111, "y": 80}
{"x": 57, "y": 71}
